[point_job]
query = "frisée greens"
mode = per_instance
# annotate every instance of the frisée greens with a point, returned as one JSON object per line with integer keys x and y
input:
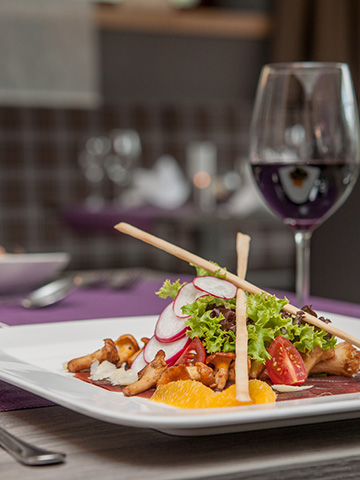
{"x": 265, "y": 322}
{"x": 207, "y": 327}
{"x": 169, "y": 289}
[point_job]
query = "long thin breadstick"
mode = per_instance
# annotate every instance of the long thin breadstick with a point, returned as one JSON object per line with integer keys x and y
{"x": 239, "y": 282}
{"x": 241, "y": 343}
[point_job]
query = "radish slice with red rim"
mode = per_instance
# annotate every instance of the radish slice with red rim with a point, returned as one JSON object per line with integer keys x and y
{"x": 169, "y": 327}
{"x": 217, "y": 287}
{"x": 139, "y": 362}
{"x": 186, "y": 295}
{"x": 172, "y": 350}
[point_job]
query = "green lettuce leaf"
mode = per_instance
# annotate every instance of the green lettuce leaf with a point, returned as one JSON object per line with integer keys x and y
{"x": 169, "y": 289}
{"x": 209, "y": 329}
{"x": 265, "y": 323}
{"x": 201, "y": 272}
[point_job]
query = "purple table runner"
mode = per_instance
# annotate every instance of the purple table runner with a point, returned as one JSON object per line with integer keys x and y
{"x": 81, "y": 218}
{"x": 89, "y": 303}
{"x": 94, "y": 303}
{"x": 325, "y": 304}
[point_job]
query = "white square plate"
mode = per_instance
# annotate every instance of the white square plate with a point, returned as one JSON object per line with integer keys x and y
{"x": 32, "y": 358}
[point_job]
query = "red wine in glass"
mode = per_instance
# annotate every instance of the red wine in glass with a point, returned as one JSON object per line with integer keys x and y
{"x": 305, "y": 148}
{"x": 304, "y": 195}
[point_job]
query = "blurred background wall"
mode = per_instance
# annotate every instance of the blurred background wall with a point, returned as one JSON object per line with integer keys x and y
{"x": 174, "y": 81}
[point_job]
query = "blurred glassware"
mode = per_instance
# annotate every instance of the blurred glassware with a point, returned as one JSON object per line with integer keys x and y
{"x": 91, "y": 160}
{"x": 226, "y": 186}
{"x": 201, "y": 166}
{"x": 245, "y": 200}
{"x": 121, "y": 159}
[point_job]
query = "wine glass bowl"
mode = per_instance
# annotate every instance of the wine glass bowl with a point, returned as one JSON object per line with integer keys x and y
{"x": 304, "y": 148}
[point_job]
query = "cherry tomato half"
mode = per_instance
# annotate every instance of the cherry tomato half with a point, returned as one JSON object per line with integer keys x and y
{"x": 194, "y": 352}
{"x": 286, "y": 365}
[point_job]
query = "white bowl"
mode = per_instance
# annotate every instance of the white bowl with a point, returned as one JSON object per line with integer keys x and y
{"x": 21, "y": 272}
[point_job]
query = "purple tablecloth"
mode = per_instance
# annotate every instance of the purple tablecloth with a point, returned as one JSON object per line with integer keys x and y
{"x": 93, "y": 303}
{"x": 83, "y": 304}
{"x": 81, "y": 218}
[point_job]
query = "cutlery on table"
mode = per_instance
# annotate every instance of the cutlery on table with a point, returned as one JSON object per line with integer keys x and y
{"x": 26, "y": 453}
{"x": 57, "y": 290}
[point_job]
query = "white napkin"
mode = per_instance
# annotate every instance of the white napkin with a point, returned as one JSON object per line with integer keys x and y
{"x": 164, "y": 185}
{"x": 246, "y": 201}
{"x": 48, "y": 53}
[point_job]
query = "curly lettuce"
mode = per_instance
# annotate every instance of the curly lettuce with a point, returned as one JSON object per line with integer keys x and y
{"x": 169, "y": 289}
{"x": 202, "y": 325}
{"x": 201, "y": 272}
{"x": 265, "y": 322}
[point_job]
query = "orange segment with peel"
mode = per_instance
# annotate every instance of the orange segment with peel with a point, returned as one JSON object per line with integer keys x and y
{"x": 193, "y": 394}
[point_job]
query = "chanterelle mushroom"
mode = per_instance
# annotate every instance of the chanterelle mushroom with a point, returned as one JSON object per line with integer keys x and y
{"x": 138, "y": 352}
{"x": 346, "y": 361}
{"x": 221, "y": 362}
{"x": 108, "y": 352}
{"x": 232, "y": 369}
{"x": 199, "y": 372}
{"x": 174, "y": 373}
{"x": 315, "y": 356}
{"x": 127, "y": 346}
{"x": 205, "y": 373}
{"x": 148, "y": 376}
{"x": 256, "y": 369}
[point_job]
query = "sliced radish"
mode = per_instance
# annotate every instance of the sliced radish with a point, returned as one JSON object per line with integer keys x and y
{"x": 217, "y": 287}
{"x": 172, "y": 350}
{"x": 169, "y": 327}
{"x": 139, "y": 362}
{"x": 186, "y": 295}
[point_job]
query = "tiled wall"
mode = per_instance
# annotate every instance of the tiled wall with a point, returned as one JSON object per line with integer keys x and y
{"x": 40, "y": 174}
{"x": 39, "y": 148}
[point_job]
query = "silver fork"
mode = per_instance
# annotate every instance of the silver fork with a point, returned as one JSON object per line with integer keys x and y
{"x": 28, "y": 454}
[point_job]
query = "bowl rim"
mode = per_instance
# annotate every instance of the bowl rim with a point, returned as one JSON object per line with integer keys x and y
{"x": 54, "y": 257}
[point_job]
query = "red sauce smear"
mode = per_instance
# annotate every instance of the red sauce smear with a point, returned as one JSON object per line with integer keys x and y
{"x": 85, "y": 377}
{"x": 324, "y": 386}
{"x": 321, "y": 387}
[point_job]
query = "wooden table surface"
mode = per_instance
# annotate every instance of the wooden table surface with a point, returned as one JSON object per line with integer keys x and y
{"x": 99, "y": 450}
{"x": 96, "y": 450}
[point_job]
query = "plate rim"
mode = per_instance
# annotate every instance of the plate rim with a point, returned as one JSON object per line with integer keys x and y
{"x": 162, "y": 417}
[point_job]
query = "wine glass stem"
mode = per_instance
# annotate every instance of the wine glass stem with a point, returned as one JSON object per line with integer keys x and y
{"x": 302, "y": 286}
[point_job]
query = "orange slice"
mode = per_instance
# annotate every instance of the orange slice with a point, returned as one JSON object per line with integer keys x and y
{"x": 193, "y": 394}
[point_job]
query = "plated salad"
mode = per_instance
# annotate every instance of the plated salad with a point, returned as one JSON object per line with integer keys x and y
{"x": 221, "y": 341}
{"x": 191, "y": 359}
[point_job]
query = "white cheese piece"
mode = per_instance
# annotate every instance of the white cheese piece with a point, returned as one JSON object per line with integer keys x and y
{"x": 291, "y": 388}
{"x": 94, "y": 366}
{"x": 101, "y": 371}
{"x": 108, "y": 371}
{"x": 120, "y": 376}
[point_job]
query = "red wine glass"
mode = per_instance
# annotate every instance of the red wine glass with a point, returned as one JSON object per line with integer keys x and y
{"x": 305, "y": 148}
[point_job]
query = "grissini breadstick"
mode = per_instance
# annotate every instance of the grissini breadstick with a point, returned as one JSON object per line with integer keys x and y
{"x": 239, "y": 282}
{"x": 241, "y": 343}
